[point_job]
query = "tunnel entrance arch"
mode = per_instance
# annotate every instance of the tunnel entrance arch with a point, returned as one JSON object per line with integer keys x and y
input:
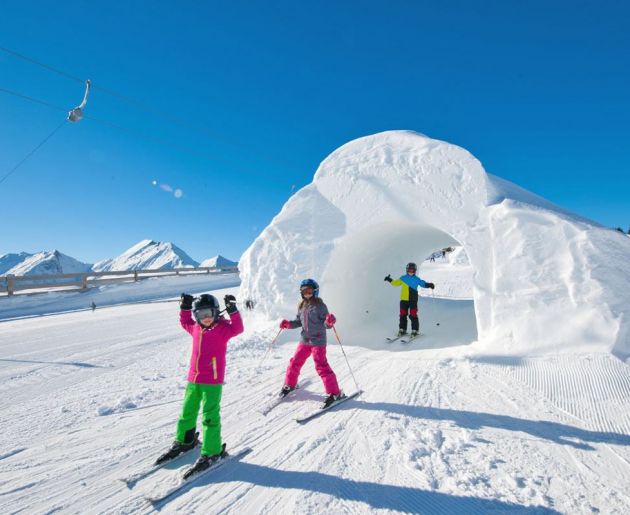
{"x": 353, "y": 286}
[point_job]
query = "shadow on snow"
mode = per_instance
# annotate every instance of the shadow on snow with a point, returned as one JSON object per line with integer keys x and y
{"x": 552, "y": 431}
{"x": 69, "y": 363}
{"x": 378, "y": 496}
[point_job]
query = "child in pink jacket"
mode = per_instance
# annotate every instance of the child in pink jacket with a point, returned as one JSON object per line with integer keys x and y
{"x": 210, "y": 333}
{"x": 314, "y": 319}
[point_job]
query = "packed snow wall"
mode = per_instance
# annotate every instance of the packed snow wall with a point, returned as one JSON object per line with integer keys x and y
{"x": 544, "y": 280}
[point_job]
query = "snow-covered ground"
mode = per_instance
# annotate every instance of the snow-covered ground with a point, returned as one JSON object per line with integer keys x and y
{"x": 90, "y": 397}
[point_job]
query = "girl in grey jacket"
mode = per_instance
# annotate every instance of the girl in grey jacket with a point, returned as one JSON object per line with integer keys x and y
{"x": 314, "y": 319}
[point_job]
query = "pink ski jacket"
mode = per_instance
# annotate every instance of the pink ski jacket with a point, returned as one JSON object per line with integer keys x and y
{"x": 207, "y": 361}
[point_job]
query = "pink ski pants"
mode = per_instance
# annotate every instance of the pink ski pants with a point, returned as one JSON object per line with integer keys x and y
{"x": 318, "y": 352}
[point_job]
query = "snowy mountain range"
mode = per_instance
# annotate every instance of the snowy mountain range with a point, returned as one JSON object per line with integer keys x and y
{"x": 145, "y": 255}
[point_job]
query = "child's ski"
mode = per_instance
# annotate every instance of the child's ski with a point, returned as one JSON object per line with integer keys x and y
{"x": 131, "y": 480}
{"x": 275, "y": 402}
{"x": 323, "y": 410}
{"x": 183, "y": 483}
{"x": 395, "y": 338}
{"x": 412, "y": 338}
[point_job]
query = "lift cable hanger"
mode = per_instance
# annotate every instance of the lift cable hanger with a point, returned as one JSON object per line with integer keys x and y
{"x": 74, "y": 115}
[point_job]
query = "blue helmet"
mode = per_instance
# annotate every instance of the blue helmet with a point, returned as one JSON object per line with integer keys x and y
{"x": 311, "y": 283}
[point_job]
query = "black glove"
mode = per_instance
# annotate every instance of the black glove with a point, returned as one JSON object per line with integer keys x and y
{"x": 388, "y": 278}
{"x": 230, "y": 304}
{"x": 186, "y": 301}
{"x": 431, "y": 285}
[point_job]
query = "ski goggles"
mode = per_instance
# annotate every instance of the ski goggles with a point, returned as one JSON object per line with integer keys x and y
{"x": 306, "y": 289}
{"x": 204, "y": 313}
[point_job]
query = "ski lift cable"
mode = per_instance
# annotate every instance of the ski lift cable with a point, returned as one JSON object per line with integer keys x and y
{"x": 33, "y": 61}
{"x": 31, "y": 99}
{"x": 40, "y": 145}
{"x": 150, "y": 109}
{"x": 134, "y": 132}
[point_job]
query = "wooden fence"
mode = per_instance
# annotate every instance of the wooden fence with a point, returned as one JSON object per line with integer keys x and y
{"x": 10, "y": 284}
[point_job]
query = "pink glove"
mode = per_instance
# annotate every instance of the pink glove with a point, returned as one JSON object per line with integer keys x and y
{"x": 285, "y": 324}
{"x": 330, "y": 319}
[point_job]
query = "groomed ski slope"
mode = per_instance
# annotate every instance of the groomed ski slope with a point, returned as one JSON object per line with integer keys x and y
{"x": 91, "y": 397}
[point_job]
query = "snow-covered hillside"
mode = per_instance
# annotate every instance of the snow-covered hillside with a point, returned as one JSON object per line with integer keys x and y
{"x": 218, "y": 262}
{"x": 544, "y": 280}
{"x": 47, "y": 262}
{"x": 148, "y": 255}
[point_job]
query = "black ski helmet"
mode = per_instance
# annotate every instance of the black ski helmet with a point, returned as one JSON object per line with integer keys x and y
{"x": 412, "y": 266}
{"x": 310, "y": 283}
{"x": 205, "y": 302}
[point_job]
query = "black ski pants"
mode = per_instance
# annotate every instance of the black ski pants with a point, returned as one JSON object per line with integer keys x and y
{"x": 409, "y": 308}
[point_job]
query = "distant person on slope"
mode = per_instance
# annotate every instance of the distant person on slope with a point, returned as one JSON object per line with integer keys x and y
{"x": 409, "y": 298}
{"x": 313, "y": 317}
{"x": 210, "y": 333}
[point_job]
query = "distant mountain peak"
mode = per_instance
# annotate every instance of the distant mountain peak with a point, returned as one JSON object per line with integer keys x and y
{"x": 218, "y": 262}
{"x": 147, "y": 255}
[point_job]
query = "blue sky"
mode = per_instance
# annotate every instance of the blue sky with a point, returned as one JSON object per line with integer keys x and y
{"x": 236, "y": 104}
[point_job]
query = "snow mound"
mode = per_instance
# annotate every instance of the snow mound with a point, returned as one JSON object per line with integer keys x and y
{"x": 148, "y": 255}
{"x": 544, "y": 280}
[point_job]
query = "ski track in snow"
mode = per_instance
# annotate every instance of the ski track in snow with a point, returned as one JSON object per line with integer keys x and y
{"x": 89, "y": 398}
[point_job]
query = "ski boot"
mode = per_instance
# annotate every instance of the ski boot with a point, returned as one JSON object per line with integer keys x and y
{"x": 176, "y": 449}
{"x": 332, "y": 398}
{"x": 204, "y": 462}
{"x": 286, "y": 390}
{"x": 414, "y": 334}
{"x": 401, "y": 332}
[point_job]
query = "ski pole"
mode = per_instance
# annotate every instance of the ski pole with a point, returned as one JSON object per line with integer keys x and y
{"x": 268, "y": 350}
{"x": 346, "y": 357}
{"x": 260, "y": 364}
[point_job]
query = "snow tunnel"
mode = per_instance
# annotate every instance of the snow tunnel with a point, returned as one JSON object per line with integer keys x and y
{"x": 381, "y": 201}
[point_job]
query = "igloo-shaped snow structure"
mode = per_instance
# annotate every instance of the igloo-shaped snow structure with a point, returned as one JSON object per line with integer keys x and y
{"x": 545, "y": 280}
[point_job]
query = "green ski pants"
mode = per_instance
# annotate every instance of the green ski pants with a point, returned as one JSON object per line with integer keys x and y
{"x": 208, "y": 396}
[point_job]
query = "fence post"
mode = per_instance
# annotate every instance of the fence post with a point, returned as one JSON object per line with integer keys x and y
{"x": 10, "y": 284}
{"x": 135, "y": 276}
{"x": 84, "y": 281}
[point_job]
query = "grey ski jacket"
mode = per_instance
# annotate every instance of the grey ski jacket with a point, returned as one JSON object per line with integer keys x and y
{"x": 311, "y": 318}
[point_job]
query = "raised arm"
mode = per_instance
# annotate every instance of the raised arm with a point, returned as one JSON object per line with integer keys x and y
{"x": 236, "y": 322}
{"x": 185, "y": 312}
